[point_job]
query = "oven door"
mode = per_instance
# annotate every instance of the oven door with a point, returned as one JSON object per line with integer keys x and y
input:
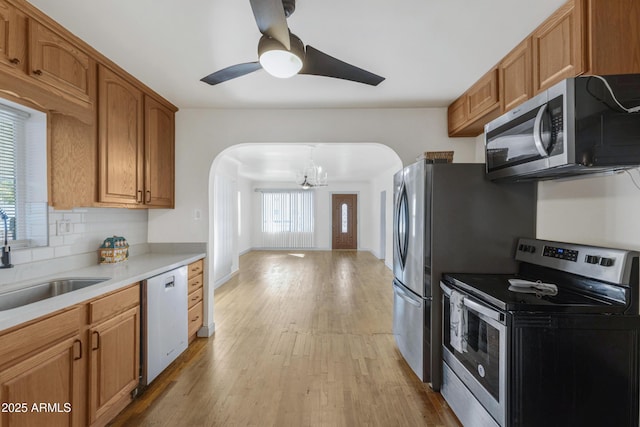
{"x": 481, "y": 365}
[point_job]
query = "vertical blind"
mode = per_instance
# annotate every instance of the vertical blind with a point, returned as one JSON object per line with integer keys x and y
{"x": 12, "y": 131}
{"x": 287, "y": 219}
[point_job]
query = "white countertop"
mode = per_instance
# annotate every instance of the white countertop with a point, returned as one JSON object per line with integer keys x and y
{"x": 133, "y": 270}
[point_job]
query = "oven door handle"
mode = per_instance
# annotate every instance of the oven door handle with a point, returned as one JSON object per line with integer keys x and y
{"x": 472, "y": 305}
{"x": 478, "y": 308}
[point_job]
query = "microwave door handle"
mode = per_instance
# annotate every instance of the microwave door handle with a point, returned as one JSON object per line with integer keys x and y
{"x": 537, "y": 132}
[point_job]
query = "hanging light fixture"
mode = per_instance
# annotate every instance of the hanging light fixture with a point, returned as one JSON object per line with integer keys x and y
{"x": 312, "y": 175}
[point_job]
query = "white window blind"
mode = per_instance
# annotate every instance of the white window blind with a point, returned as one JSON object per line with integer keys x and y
{"x": 287, "y": 219}
{"x": 23, "y": 176}
{"x": 12, "y": 131}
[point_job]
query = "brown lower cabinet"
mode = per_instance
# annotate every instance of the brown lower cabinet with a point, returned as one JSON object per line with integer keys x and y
{"x": 196, "y": 295}
{"x": 114, "y": 361}
{"x": 77, "y": 367}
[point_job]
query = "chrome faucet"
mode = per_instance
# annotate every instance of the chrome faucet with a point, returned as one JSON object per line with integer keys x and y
{"x": 6, "y": 249}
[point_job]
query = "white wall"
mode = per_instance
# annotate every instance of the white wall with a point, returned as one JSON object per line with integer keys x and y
{"x": 384, "y": 183}
{"x": 201, "y": 135}
{"x": 599, "y": 210}
{"x": 247, "y": 213}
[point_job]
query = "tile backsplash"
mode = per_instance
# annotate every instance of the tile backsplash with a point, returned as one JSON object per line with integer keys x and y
{"x": 78, "y": 244}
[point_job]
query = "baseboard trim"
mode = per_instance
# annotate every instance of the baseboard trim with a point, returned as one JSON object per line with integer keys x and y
{"x": 224, "y": 279}
{"x": 207, "y": 330}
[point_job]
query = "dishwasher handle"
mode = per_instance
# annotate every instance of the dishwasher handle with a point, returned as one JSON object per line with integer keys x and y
{"x": 170, "y": 283}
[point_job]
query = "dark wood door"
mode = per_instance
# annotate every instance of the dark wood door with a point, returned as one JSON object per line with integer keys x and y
{"x": 345, "y": 221}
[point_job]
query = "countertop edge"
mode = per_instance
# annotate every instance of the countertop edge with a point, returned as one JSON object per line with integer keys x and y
{"x": 134, "y": 270}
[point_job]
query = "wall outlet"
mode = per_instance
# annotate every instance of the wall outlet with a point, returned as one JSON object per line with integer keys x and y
{"x": 63, "y": 227}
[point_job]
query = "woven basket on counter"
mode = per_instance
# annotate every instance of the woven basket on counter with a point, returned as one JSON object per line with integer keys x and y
{"x": 113, "y": 250}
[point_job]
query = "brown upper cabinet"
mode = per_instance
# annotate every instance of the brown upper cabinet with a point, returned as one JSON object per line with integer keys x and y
{"x": 60, "y": 63}
{"x": 159, "y": 156}
{"x": 515, "y": 76}
{"x": 581, "y": 37}
{"x": 13, "y": 36}
{"x": 42, "y": 68}
{"x": 136, "y": 145}
{"x": 558, "y": 47}
{"x": 120, "y": 139}
{"x": 110, "y": 137}
{"x": 481, "y": 100}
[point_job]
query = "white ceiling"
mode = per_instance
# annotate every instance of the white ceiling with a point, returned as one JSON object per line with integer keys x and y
{"x": 342, "y": 162}
{"x": 430, "y": 51}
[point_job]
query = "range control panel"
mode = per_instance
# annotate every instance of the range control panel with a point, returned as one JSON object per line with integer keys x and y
{"x": 560, "y": 253}
{"x": 611, "y": 265}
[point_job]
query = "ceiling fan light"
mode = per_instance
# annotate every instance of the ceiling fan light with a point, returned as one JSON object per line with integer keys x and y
{"x": 280, "y": 63}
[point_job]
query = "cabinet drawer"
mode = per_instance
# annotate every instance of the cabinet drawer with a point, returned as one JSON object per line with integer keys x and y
{"x": 195, "y": 283}
{"x": 113, "y": 304}
{"x": 28, "y": 338}
{"x": 195, "y": 268}
{"x": 195, "y": 297}
{"x": 195, "y": 318}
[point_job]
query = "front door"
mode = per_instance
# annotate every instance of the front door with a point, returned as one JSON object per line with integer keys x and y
{"x": 345, "y": 221}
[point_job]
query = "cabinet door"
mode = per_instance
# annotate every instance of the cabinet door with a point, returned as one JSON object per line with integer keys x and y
{"x": 114, "y": 364}
{"x": 51, "y": 378}
{"x": 159, "y": 154}
{"x": 515, "y": 76}
{"x": 483, "y": 97}
{"x": 120, "y": 114}
{"x": 13, "y": 36}
{"x": 558, "y": 47}
{"x": 59, "y": 63}
{"x": 457, "y": 114}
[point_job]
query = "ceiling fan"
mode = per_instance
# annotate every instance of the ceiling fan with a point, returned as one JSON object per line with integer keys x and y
{"x": 282, "y": 54}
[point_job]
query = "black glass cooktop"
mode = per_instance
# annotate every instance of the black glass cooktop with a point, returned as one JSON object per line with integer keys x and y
{"x": 494, "y": 289}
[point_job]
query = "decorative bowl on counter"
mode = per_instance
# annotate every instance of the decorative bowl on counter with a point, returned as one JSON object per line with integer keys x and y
{"x": 113, "y": 250}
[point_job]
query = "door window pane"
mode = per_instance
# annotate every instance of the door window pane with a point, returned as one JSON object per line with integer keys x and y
{"x": 345, "y": 215}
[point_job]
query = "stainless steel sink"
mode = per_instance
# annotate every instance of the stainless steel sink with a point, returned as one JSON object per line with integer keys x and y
{"x": 45, "y": 290}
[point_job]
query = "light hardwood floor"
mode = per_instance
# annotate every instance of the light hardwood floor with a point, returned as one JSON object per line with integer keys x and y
{"x": 302, "y": 339}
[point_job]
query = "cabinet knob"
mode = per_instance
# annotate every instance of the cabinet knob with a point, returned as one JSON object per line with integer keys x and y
{"x": 148, "y": 196}
{"x": 14, "y": 61}
{"x": 37, "y": 72}
{"x": 139, "y": 198}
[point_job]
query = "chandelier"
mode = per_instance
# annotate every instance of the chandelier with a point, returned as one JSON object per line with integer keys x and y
{"x": 312, "y": 175}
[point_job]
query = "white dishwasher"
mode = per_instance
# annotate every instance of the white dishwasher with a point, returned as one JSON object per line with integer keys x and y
{"x": 166, "y": 321}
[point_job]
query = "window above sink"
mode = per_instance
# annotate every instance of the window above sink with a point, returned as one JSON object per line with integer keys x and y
{"x": 23, "y": 175}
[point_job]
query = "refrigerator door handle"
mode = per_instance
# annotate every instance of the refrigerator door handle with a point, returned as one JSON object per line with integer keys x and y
{"x": 413, "y": 300}
{"x": 402, "y": 225}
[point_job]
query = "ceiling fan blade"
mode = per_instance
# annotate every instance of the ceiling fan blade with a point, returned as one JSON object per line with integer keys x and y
{"x": 271, "y": 20}
{"x": 231, "y": 72}
{"x": 321, "y": 64}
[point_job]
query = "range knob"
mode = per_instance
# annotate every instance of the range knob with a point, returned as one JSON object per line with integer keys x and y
{"x": 606, "y": 262}
{"x": 592, "y": 259}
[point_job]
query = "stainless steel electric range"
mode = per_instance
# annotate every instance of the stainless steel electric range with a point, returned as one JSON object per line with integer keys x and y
{"x": 555, "y": 345}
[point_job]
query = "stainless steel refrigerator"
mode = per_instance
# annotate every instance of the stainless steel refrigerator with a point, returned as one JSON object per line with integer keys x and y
{"x": 448, "y": 218}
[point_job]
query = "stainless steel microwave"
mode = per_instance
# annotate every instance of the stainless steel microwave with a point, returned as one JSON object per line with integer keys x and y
{"x": 582, "y": 125}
